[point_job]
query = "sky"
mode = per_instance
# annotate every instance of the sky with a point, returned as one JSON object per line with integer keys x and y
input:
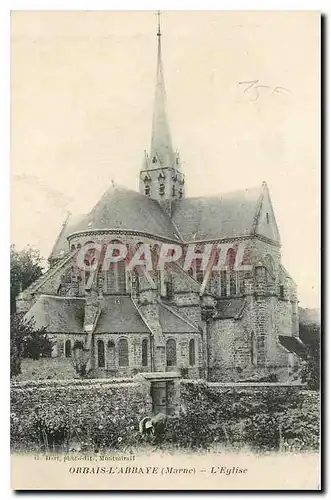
{"x": 82, "y": 87}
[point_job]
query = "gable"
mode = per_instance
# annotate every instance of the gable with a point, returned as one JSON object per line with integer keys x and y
{"x": 228, "y": 215}
{"x": 49, "y": 282}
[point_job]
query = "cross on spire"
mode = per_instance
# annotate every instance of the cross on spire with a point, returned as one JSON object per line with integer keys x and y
{"x": 158, "y": 14}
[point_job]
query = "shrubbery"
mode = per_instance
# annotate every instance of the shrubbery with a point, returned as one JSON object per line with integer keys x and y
{"x": 89, "y": 417}
{"x": 264, "y": 418}
{"x": 96, "y": 414}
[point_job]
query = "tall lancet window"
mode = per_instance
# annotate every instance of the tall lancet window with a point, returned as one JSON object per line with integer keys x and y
{"x": 171, "y": 352}
{"x": 123, "y": 352}
{"x": 192, "y": 352}
{"x": 101, "y": 354}
{"x": 144, "y": 352}
{"x": 253, "y": 349}
{"x": 115, "y": 275}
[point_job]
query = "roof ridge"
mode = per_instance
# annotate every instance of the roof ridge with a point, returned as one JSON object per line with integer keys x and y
{"x": 141, "y": 315}
{"x": 221, "y": 194}
{"x": 50, "y": 272}
{"x": 64, "y": 225}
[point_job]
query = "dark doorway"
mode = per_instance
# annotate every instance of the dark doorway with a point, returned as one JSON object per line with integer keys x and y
{"x": 163, "y": 393}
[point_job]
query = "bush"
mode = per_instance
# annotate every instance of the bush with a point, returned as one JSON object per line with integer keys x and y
{"x": 92, "y": 416}
{"x": 265, "y": 418}
{"x": 105, "y": 414}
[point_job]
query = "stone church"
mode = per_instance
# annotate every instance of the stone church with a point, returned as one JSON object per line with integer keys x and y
{"x": 237, "y": 326}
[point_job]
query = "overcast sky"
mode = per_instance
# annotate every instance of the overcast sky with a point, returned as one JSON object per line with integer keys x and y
{"x": 82, "y": 93}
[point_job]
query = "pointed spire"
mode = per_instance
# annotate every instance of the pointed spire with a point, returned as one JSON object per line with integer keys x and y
{"x": 161, "y": 144}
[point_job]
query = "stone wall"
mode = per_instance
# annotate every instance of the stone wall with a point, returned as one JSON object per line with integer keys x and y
{"x": 112, "y": 368}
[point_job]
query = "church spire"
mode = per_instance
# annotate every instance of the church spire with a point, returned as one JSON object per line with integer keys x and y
{"x": 161, "y": 145}
{"x": 161, "y": 177}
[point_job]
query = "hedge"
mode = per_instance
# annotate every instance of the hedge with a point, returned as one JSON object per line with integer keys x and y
{"x": 93, "y": 415}
{"x": 265, "y": 418}
{"x": 73, "y": 417}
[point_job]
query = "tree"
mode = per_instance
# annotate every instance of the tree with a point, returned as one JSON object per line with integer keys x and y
{"x": 25, "y": 268}
{"x": 310, "y": 334}
{"x": 26, "y": 342}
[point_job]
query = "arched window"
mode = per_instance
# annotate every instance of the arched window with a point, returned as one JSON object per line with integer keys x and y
{"x": 171, "y": 352}
{"x": 134, "y": 283}
{"x": 111, "y": 360}
{"x": 169, "y": 288}
{"x": 123, "y": 352}
{"x": 223, "y": 280}
{"x": 144, "y": 352}
{"x": 115, "y": 276}
{"x": 267, "y": 218}
{"x": 73, "y": 248}
{"x": 233, "y": 283}
{"x": 101, "y": 354}
{"x": 253, "y": 351}
{"x": 192, "y": 352}
{"x": 67, "y": 349}
{"x": 231, "y": 257}
{"x": 281, "y": 291}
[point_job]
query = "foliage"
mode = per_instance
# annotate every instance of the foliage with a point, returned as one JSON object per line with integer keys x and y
{"x": 25, "y": 268}
{"x": 98, "y": 382}
{"x": 26, "y": 342}
{"x": 76, "y": 417}
{"x": 310, "y": 334}
{"x": 264, "y": 418}
{"x": 80, "y": 359}
{"x": 96, "y": 415}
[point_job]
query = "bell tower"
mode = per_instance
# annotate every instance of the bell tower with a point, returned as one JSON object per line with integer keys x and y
{"x": 161, "y": 176}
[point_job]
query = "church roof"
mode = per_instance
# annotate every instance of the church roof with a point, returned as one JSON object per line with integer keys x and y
{"x": 224, "y": 216}
{"x": 61, "y": 246}
{"x": 172, "y": 322}
{"x": 216, "y": 217}
{"x": 221, "y": 216}
{"x": 293, "y": 344}
{"x": 122, "y": 208}
{"x": 119, "y": 315}
{"x": 58, "y": 314}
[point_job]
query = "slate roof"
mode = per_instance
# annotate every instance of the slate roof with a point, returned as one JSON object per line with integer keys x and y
{"x": 61, "y": 246}
{"x": 227, "y": 215}
{"x": 119, "y": 315}
{"x": 58, "y": 314}
{"x": 214, "y": 217}
{"x": 172, "y": 322}
{"x": 229, "y": 308}
{"x": 121, "y": 208}
{"x": 293, "y": 344}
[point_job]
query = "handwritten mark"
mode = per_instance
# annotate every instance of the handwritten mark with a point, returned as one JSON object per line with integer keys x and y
{"x": 253, "y": 86}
